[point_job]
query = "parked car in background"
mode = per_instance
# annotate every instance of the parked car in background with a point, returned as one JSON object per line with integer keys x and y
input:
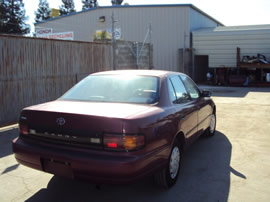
{"x": 117, "y": 127}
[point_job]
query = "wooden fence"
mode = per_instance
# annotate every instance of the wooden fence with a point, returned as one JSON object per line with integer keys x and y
{"x": 36, "y": 70}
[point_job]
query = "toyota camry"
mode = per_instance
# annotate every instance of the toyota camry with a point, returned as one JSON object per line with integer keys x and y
{"x": 117, "y": 127}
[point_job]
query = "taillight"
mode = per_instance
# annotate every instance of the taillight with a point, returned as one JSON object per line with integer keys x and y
{"x": 123, "y": 142}
{"x": 24, "y": 129}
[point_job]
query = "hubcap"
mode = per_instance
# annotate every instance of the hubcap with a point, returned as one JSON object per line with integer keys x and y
{"x": 212, "y": 123}
{"x": 174, "y": 162}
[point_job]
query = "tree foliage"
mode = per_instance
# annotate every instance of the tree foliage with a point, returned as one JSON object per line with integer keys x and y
{"x": 116, "y": 2}
{"x": 43, "y": 12}
{"x": 67, "y": 7}
{"x": 89, "y": 4}
{"x": 3, "y": 11}
{"x": 12, "y": 17}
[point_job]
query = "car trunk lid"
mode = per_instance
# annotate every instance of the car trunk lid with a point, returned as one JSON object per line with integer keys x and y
{"x": 77, "y": 123}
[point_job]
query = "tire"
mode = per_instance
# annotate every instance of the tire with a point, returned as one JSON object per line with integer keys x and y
{"x": 167, "y": 177}
{"x": 211, "y": 130}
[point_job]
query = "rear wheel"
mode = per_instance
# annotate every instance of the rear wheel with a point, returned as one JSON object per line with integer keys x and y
{"x": 168, "y": 176}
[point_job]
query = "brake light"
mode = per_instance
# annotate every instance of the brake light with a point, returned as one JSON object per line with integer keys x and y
{"x": 112, "y": 145}
{"x": 24, "y": 129}
{"x": 123, "y": 142}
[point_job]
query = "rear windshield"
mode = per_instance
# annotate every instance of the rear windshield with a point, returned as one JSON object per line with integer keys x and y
{"x": 116, "y": 88}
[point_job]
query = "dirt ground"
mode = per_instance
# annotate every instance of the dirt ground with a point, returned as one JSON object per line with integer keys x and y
{"x": 234, "y": 165}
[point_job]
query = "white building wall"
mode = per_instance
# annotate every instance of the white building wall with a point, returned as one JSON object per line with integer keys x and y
{"x": 170, "y": 28}
{"x": 221, "y": 46}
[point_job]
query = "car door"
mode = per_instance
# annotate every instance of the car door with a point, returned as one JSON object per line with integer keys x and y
{"x": 186, "y": 116}
{"x": 204, "y": 108}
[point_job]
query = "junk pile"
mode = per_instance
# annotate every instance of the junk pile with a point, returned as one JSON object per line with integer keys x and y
{"x": 260, "y": 59}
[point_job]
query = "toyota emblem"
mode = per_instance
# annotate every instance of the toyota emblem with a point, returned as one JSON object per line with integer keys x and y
{"x": 60, "y": 121}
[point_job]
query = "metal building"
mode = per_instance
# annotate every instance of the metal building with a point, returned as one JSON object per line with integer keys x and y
{"x": 170, "y": 27}
{"x": 220, "y": 43}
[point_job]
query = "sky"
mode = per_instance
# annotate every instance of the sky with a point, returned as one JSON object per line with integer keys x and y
{"x": 228, "y": 12}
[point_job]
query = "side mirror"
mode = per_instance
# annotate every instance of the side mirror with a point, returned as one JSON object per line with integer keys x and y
{"x": 206, "y": 93}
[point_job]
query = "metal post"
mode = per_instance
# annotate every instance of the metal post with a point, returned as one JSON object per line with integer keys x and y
{"x": 183, "y": 54}
{"x": 150, "y": 46}
{"x": 137, "y": 55}
{"x": 113, "y": 42}
{"x": 150, "y": 33}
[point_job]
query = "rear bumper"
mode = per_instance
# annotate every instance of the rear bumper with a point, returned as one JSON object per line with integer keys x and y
{"x": 96, "y": 166}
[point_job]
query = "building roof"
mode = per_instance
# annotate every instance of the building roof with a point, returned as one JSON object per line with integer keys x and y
{"x": 135, "y": 6}
{"x": 233, "y": 29}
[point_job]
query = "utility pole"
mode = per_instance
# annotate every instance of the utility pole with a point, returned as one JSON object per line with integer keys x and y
{"x": 113, "y": 42}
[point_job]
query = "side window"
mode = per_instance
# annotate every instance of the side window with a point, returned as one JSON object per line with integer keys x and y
{"x": 191, "y": 87}
{"x": 180, "y": 90}
{"x": 171, "y": 91}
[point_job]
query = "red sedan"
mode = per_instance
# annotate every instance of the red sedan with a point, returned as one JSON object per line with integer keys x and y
{"x": 117, "y": 127}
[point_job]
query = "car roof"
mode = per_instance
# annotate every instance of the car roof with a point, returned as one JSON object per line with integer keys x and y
{"x": 158, "y": 73}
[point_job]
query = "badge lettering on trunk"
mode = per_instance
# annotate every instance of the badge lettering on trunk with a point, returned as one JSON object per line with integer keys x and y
{"x": 60, "y": 121}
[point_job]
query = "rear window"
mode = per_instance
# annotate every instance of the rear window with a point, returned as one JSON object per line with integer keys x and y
{"x": 116, "y": 88}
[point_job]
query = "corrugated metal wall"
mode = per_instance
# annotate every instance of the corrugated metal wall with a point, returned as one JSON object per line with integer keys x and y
{"x": 38, "y": 70}
{"x": 221, "y": 45}
{"x": 170, "y": 28}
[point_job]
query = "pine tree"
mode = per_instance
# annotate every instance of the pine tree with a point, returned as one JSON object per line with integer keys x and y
{"x": 89, "y": 4}
{"x": 3, "y": 11}
{"x": 12, "y": 17}
{"x": 116, "y": 2}
{"x": 67, "y": 7}
{"x": 43, "y": 12}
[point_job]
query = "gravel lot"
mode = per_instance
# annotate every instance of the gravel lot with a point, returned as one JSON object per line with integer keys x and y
{"x": 234, "y": 165}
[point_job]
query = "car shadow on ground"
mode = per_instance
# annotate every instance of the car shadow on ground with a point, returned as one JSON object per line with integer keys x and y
{"x": 6, "y": 138}
{"x": 205, "y": 176}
